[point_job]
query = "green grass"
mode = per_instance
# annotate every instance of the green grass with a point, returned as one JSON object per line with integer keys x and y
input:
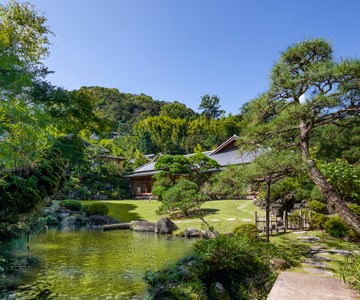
{"x": 223, "y": 215}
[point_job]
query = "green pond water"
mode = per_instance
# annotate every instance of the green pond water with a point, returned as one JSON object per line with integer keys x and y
{"x": 87, "y": 264}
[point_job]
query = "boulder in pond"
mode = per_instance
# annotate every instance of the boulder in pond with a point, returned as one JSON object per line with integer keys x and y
{"x": 208, "y": 234}
{"x": 165, "y": 225}
{"x": 143, "y": 226}
{"x": 191, "y": 232}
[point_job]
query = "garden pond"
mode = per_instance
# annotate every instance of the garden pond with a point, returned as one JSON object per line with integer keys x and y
{"x": 86, "y": 264}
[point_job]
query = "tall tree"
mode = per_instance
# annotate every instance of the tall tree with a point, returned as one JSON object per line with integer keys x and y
{"x": 23, "y": 44}
{"x": 308, "y": 90}
{"x": 210, "y": 106}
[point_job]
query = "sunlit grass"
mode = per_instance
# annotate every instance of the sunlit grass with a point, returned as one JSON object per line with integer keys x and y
{"x": 223, "y": 215}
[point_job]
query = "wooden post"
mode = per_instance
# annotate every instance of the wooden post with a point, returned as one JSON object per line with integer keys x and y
{"x": 276, "y": 224}
{"x": 284, "y": 221}
{"x": 300, "y": 220}
{"x": 255, "y": 219}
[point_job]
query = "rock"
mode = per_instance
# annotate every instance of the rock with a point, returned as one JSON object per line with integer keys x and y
{"x": 144, "y": 226}
{"x": 69, "y": 221}
{"x": 191, "y": 232}
{"x": 1, "y": 269}
{"x": 316, "y": 264}
{"x": 319, "y": 271}
{"x": 310, "y": 239}
{"x": 279, "y": 263}
{"x": 208, "y": 234}
{"x": 185, "y": 273}
{"x": 318, "y": 257}
{"x": 339, "y": 251}
{"x": 218, "y": 292}
{"x": 165, "y": 225}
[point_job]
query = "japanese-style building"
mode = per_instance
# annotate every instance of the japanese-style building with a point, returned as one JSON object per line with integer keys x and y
{"x": 141, "y": 179}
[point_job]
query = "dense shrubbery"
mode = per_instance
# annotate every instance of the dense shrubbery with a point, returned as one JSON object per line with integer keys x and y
{"x": 71, "y": 204}
{"x": 99, "y": 209}
{"x": 318, "y": 221}
{"x": 240, "y": 264}
{"x": 248, "y": 230}
{"x": 336, "y": 227}
{"x": 317, "y": 206}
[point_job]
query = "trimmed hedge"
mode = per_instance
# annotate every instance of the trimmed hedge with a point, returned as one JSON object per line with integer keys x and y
{"x": 71, "y": 205}
{"x": 99, "y": 209}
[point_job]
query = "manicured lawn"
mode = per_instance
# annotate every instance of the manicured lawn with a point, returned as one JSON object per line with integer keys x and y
{"x": 224, "y": 215}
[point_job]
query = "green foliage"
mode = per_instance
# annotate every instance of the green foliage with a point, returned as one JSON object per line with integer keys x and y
{"x": 246, "y": 230}
{"x": 145, "y": 144}
{"x": 210, "y": 106}
{"x": 316, "y": 194}
{"x": 350, "y": 270}
{"x": 318, "y": 221}
{"x": 355, "y": 208}
{"x": 336, "y": 227}
{"x": 200, "y": 164}
{"x": 345, "y": 178}
{"x": 229, "y": 183}
{"x": 22, "y": 194}
{"x": 71, "y": 204}
{"x": 183, "y": 196}
{"x": 309, "y": 90}
{"x": 176, "y": 110}
{"x": 241, "y": 265}
{"x": 23, "y": 44}
{"x": 317, "y": 206}
{"x": 99, "y": 209}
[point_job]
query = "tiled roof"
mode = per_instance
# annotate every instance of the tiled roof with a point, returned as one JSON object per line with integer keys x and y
{"x": 234, "y": 157}
{"x": 224, "y": 157}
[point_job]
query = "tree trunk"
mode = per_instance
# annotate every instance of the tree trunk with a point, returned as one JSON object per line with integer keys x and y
{"x": 335, "y": 201}
{"x": 268, "y": 183}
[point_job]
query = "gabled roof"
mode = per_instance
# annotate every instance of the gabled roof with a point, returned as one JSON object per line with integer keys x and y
{"x": 223, "y": 155}
{"x": 234, "y": 138}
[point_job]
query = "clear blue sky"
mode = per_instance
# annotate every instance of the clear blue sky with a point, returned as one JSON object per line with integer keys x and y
{"x": 183, "y": 49}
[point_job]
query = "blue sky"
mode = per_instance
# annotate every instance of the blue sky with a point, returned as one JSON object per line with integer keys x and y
{"x": 183, "y": 49}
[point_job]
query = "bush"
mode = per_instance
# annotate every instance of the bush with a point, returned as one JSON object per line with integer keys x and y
{"x": 183, "y": 196}
{"x": 355, "y": 208}
{"x": 97, "y": 209}
{"x": 240, "y": 264}
{"x": 71, "y": 205}
{"x": 248, "y": 230}
{"x": 336, "y": 227}
{"x": 318, "y": 221}
{"x": 317, "y": 206}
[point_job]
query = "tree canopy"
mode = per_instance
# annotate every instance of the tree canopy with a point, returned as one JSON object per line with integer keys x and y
{"x": 308, "y": 90}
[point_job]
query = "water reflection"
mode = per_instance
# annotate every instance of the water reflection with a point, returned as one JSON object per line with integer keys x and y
{"x": 83, "y": 264}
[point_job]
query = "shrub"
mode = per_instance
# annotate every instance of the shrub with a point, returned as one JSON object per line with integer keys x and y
{"x": 318, "y": 221}
{"x": 183, "y": 196}
{"x": 240, "y": 264}
{"x": 71, "y": 205}
{"x": 248, "y": 230}
{"x": 97, "y": 209}
{"x": 317, "y": 206}
{"x": 336, "y": 227}
{"x": 355, "y": 208}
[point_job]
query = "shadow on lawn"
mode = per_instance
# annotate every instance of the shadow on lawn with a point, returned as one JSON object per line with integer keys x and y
{"x": 209, "y": 211}
{"x": 123, "y": 212}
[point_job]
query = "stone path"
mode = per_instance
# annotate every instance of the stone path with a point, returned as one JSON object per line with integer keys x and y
{"x": 301, "y": 286}
{"x": 312, "y": 286}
